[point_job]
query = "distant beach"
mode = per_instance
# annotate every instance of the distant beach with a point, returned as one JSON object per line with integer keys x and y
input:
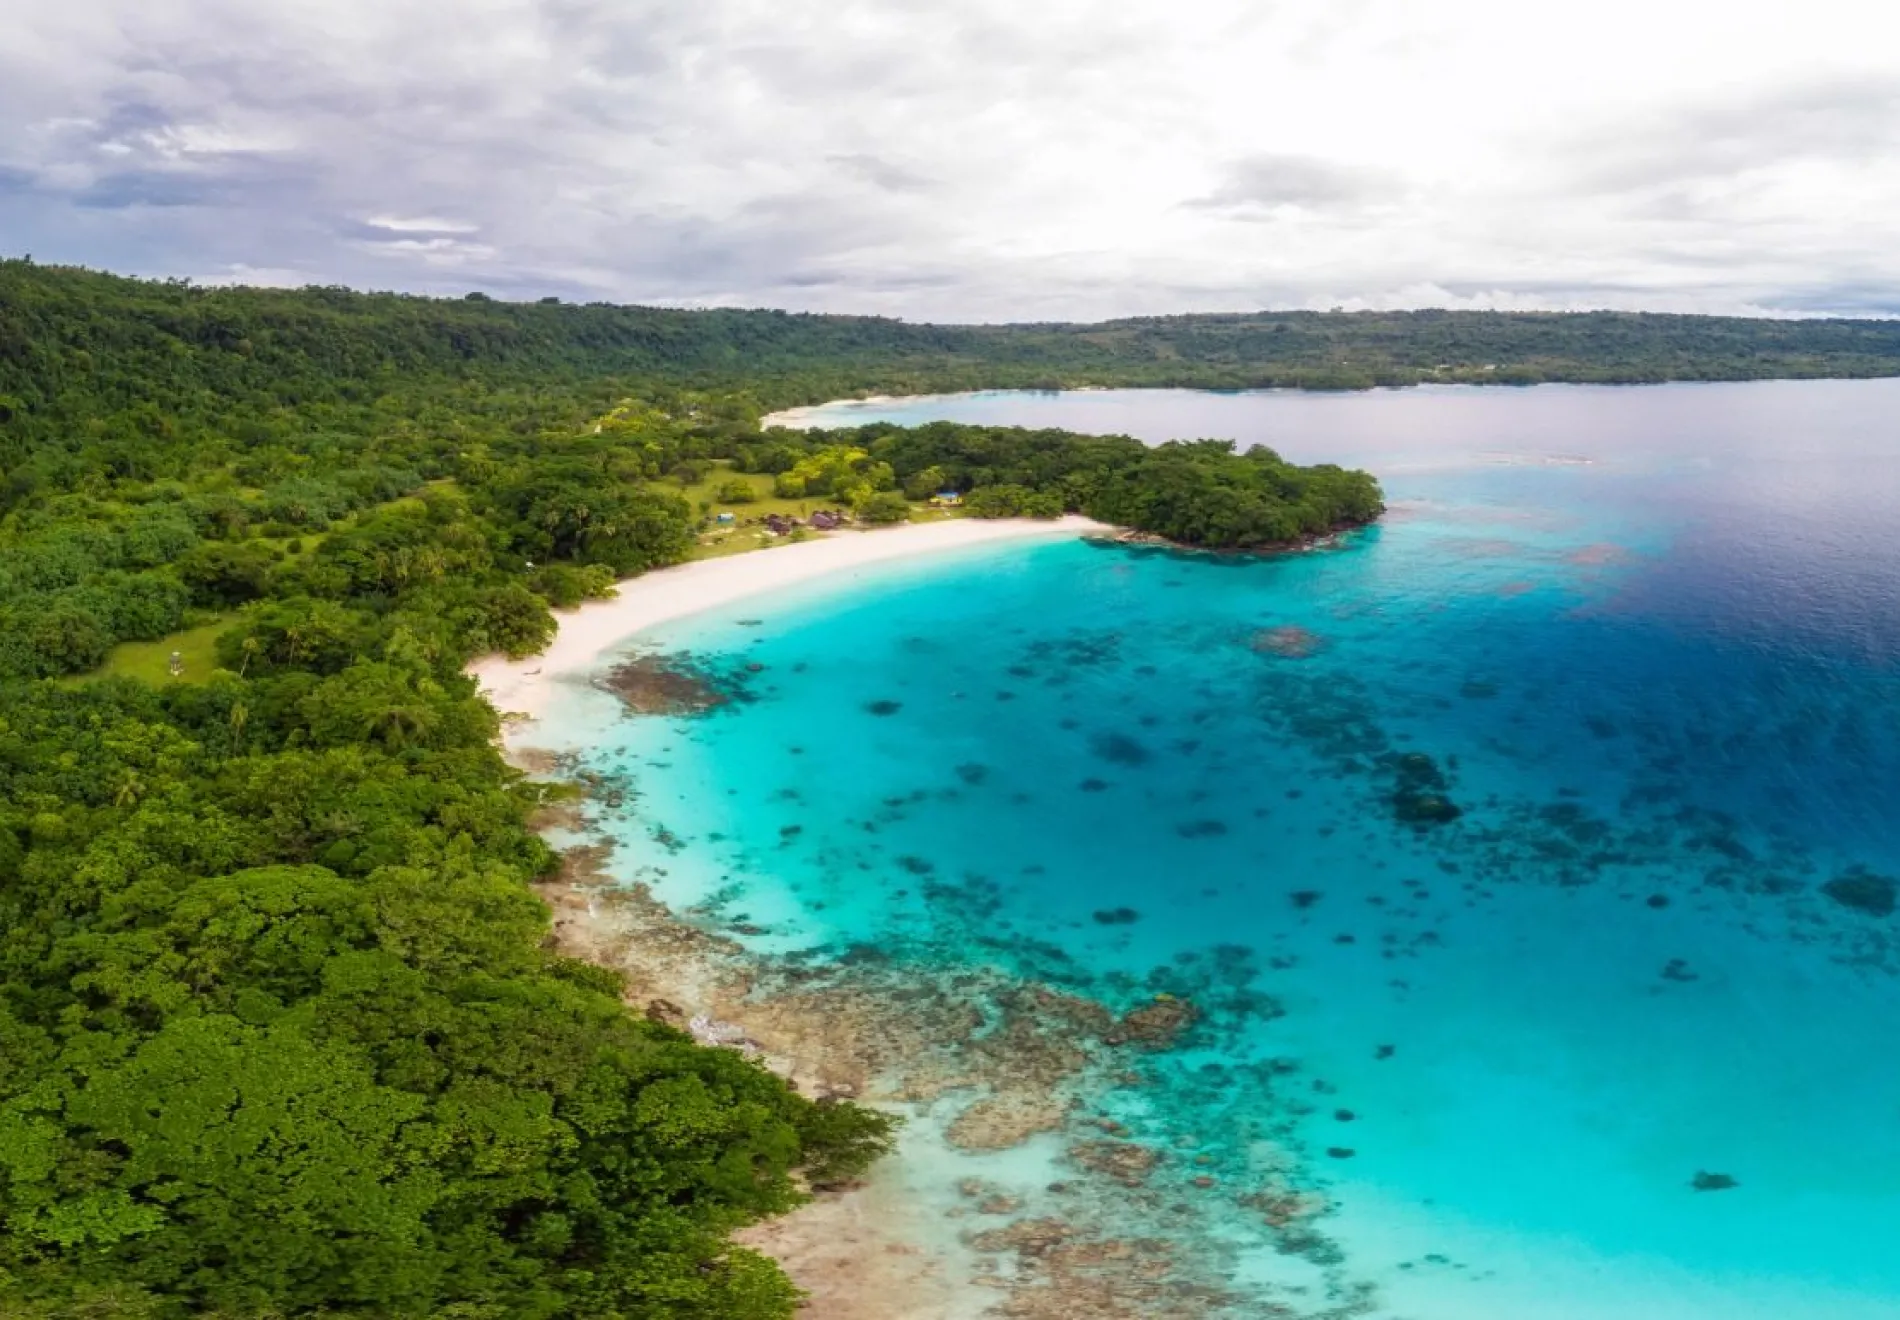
{"x": 806, "y": 416}
{"x": 521, "y": 687}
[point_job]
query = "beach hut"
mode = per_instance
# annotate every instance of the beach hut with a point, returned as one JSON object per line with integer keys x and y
{"x": 946, "y": 499}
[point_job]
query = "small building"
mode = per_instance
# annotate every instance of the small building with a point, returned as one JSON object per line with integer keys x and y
{"x": 946, "y": 499}
{"x": 723, "y": 517}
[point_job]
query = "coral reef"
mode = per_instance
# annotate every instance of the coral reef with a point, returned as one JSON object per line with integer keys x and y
{"x": 1863, "y": 891}
{"x": 1288, "y": 641}
{"x": 674, "y": 683}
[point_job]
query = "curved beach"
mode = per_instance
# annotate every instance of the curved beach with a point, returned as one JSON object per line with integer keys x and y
{"x": 520, "y": 687}
{"x": 854, "y": 1252}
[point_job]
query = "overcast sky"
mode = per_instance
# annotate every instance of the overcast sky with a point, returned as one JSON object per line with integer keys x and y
{"x": 972, "y": 159}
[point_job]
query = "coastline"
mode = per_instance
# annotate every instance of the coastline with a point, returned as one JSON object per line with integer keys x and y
{"x": 801, "y": 417}
{"x": 930, "y": 1233}
{"x": 521, "y": 687}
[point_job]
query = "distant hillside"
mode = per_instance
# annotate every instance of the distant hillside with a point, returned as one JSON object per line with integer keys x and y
{"x": 69, "y": 335}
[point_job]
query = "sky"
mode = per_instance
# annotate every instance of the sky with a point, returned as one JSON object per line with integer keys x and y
{"x": 972, "y": 160}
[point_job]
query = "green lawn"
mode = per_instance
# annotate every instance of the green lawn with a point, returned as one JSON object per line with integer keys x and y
{"x": 732, "y": 538}
{"x": 151, "y": 661}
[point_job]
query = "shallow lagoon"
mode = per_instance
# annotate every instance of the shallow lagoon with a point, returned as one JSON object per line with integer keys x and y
{"x": 1649, "y": 640}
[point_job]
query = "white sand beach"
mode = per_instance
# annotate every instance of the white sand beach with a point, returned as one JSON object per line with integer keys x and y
{"x": 800, "y": 418}
{"x": 521, "y": 687}
{"x": 892, "y": 1247}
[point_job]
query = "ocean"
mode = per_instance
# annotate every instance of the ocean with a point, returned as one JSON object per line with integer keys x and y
{"x": 1528, "y": 858}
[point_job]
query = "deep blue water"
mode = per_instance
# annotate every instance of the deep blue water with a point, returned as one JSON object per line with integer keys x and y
{"x": 1649, "y": 637}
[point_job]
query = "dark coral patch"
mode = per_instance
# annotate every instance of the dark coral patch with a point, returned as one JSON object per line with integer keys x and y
{"x": 883, "y": 706}
{"x": 671, "y": 685}
{"x": 1419, "y": 797}
{"x": 1201, "y": 829}
{"x": 1119, "y": 748}
{"x": 1863, "y": 891}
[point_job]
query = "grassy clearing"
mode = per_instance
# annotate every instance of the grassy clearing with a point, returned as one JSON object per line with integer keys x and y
{"x": 735, "y": 538}
{"x": 760, "y": 482}
{"x": 151, "y": 661}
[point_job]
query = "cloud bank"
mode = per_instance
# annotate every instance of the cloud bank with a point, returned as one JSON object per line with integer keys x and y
{"x": 982, "y": 160}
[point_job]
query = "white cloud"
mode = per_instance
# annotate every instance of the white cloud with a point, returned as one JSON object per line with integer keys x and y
{"x": 984, "y": 159}
{"x": 420, "y": 225}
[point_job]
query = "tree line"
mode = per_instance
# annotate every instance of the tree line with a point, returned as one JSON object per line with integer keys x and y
{"x": 1199, "y": 493}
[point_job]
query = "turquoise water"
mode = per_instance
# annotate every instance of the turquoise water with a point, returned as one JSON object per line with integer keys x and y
{"x": 1646, "y": 640}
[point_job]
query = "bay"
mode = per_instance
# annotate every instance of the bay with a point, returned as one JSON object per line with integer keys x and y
{"x": 1644, "y": 642}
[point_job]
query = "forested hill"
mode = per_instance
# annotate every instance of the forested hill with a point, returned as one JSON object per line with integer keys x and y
{"x": 68, "y": 333}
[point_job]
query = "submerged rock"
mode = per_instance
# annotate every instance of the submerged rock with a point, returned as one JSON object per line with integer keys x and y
{"x": 1124, "y": 1161}
{"x": 1424, "y": 808}
{"x": 1862, "y": 890}
{"x": 1154, "y": 1025}
{"x": 1288, "y": 641}
{"x": 1028, "y": 1237}
{"x": 1712, "y": 1182}
{"x": 1419, "y": 797}
{"x": 1007, "y": 1119}
{"x": 1118, "y": 748}
{"x": 669, "y": 685}
{"x": 1201, "y": 829}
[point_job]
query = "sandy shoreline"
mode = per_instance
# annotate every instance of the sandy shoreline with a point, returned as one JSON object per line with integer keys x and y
{"x": 521, "y": 687}
{"x": 1008, "y": 1193}
{"x": 804, "y": 416}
